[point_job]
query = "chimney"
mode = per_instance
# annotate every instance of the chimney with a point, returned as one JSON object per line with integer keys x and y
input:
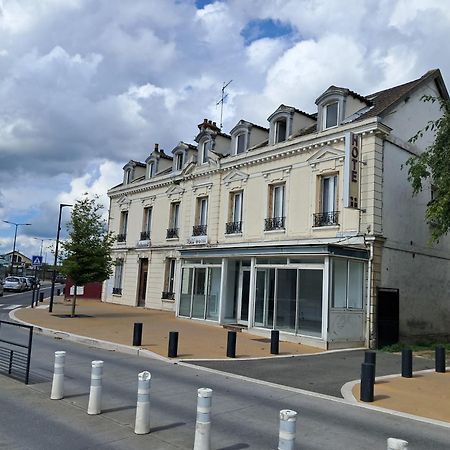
{"x": 156, "y": 147}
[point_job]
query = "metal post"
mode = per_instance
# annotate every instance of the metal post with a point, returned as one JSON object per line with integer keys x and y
{"x": 58, "y": 292}
{"x": 52, "y": 291}
{"x": 407, "y": 363}
{"x": 367, "y": 380}
{"x": 30, "y": 342}
{"x": 173, "y": 344}
{"x": 231, "y": 344}
{"x": 370, "y": 357}
{"x": 33, "y": 294}
{"x": 440, "y": 359}
{"x": 11, "y": 355}
{"x": 274, "y": 342}
{"x": 58, "y": 376}
{"x": 137, "y": 334}
{"x": 95, "y": 394}
{"x": 202, "y": 439}
{"x": 396, "y": 444}
{"x": 142, "y": 423}
{"x": 286, "y": 436}
{"x": 41, "y": 297}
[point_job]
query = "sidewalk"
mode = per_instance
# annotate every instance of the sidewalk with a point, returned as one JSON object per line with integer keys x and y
{"x": 426, "y": 394}
{"x": 114, "y": 323}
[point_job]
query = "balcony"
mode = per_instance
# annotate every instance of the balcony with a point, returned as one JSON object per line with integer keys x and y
{"x": 326, "y": 219}
{"x": 122, "y": 237}
{"x": 117, "y": 291}
{"x": 199, "y": 230}
{"x": 145, "y": 235}
{"x": 233, "y": 227}
{"x": 172, "y": 233}
{"x": 168, "y": 295}
{"x": 274, "y": 223}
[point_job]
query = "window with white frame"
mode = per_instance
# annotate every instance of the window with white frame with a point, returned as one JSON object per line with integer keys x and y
{"x": 151, "y": 169}
{"x": 178, "y": 161}
{"x": 236, "y": 213}
{"x": 128, "y": 176}
{"x": 330, "y": 115}
{"x": 347, "y": 284}
{"x": 147, "y": 223}
{"x": 276, "y": 206}
{"x": 280, "y": 130}
{"x": 240, "y": 143}
{"x": 123, "y": 226}
{"x": 169, "y": 281}
{"x": 118, "y": 275}
{"x": 329, "y": 194}
{"x": 202, "y": 210}
{"x": 174, "y": 214}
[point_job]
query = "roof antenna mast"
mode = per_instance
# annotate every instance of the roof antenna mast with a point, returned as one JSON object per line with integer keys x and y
{"x": 222, "y": 100}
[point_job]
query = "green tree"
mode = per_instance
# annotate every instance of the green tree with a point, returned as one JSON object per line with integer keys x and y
{"x": 87, "y": 251}
{"x": 433, "y": 166}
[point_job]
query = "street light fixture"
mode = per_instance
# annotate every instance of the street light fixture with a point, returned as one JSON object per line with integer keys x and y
{"x": 15, "y": 237}
{"x": 52, "y": 292}
{"x": 42, "y": 243}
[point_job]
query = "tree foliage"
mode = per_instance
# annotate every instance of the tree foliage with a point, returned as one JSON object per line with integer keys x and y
{"x": 433, "y": 166}
{"x": 87, "y": 251}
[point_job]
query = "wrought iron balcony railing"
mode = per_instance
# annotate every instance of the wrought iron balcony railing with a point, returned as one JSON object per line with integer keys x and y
{"x": 122, "y": 237}
{"x": 233, "y": 227}
{"x": 199, "y": 230}
{"x": 326, "y": 219}
{"x": 274, "y": 223}
{"x": 172, "y": 233}
{"x": 117, "y": 291}
{"x": 168, "y": 295}
{"x": 145, "y": 235}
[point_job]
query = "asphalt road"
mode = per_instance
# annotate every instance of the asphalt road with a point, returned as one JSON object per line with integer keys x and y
{"x": 245, "y": 414}
{"x": 325, "y": 374}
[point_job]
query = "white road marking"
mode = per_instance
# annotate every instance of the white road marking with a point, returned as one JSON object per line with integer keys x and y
{"x": 42, "y": 307}
{"x": 11, "y": 306}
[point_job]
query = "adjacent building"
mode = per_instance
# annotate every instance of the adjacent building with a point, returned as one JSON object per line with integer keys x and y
{"x": 307, "y": 226}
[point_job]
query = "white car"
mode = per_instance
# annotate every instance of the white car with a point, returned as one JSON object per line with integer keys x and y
{"x": 13, "y": 284}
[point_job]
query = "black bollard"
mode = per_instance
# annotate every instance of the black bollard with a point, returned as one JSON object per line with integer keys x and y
{"x": 173, "y": 344}
{"x": 367, "y": 379}
{"x": 370, "y": 357}
{"x": 231, "y": 344}
{"x": 274, "y": 342}
{"x": 137, "y": 334}
{"x": 41, "y": 297}
{"x": 58, "y": 292}
{"x": 407, "y": 363}
{"x": 440, "y": 359}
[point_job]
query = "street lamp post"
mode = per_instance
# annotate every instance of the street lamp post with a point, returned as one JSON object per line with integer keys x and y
{"x": 52, "y": 292}
{"x": 15, "y": 237}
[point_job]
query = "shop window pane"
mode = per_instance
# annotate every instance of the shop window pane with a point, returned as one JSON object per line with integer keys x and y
{"x": 186, "y": 289}
{"x": 270, "y": 300}
{"x": 339, "y": 283}
{"x": 310, "y": 302}
{"x": 355, "y": 284}
{"x": 212, "y": 306}
{"x": 245, "y": 294}
{"x": 286, "y": 299}
{"x": 198, "y": 298}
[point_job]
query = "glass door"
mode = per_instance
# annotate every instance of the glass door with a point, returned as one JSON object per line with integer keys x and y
{"x": 310, "y": 302}
{"x": 244, "y": 295}
{"x": 265, "y": 297}
{"x": 198, "y": 295}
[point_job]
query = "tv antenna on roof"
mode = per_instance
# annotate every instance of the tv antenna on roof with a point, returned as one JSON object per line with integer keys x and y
{"x": 222, "y": 100}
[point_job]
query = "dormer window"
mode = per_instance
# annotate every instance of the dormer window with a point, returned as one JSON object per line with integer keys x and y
{"x": 240, "y": 143}
{"x": 151, "y": 169}
{"x": 128, "y": 176}
{"x": 178, "y": 161}
{"x": 330, "y": 115}
{"x": 204, "y": 153}
{"x": 280, "y": 130}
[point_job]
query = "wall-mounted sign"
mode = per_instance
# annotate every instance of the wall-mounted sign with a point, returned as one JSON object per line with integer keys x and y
{"x": 197, "y": 240}
{"x": 143, "y": 244}
{"x": 352, "y": 170}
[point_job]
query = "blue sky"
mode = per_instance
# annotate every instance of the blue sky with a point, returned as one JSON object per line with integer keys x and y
{"x": 86, "y": 86}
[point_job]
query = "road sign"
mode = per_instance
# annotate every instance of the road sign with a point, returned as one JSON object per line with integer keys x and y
{"x": 37, "y": 260}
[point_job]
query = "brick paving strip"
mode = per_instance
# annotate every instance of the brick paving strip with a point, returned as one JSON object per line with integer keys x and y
{"x": 114, "y": 323}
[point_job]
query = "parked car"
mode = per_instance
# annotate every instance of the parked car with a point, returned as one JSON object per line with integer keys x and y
{"x": 13, "y": 284}
{"x": 28, "y": 283}
{"x": 1, "y": 288}
{"x": 60, "y": 279}
{"x": 25, "y": 283}
{"x": 32, "y": 281}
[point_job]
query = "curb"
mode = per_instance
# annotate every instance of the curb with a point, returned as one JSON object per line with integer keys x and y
{"x": 85, "y": 340}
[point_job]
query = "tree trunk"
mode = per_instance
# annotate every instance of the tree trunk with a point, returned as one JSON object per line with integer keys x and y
{"x": 74, "y": 301}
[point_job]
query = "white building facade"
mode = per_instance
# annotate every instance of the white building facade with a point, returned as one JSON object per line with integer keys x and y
{"x": 307, "y": 226}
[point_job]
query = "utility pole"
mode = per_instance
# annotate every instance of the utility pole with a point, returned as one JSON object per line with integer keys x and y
{"x": 222, "y": 100}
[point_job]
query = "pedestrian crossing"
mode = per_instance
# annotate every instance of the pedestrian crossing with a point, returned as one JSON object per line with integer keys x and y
{"x": 9, "y": 307}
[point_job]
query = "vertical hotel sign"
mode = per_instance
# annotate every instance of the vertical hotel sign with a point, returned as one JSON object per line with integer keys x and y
{"x": 352, "y": 171}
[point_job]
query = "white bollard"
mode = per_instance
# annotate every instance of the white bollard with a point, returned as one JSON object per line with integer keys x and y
{"x": 142, "y": 424}
{"x": 202, "y": 439}
{"x": 95, "y": 394}
{"x": 288, "y": 419}
{"x": 397, "y": 444}
{"x": 58, "y": 376}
